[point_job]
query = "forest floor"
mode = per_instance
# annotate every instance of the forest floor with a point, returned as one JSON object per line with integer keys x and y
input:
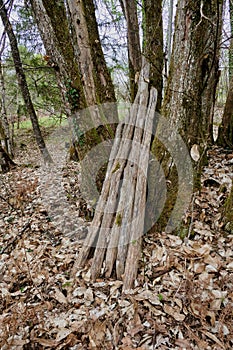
{"x": 183, "y": 296}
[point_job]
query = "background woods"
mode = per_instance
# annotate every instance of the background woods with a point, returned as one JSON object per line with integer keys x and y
{"x": 116, "y": 168}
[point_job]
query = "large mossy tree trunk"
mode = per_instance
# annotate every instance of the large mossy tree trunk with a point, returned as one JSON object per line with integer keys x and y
{"x": 225, "y": 132}
{"x": 96, "y": 77}
{"x": 74, "y": 64}
{"x": 54, "y": 30}
{"x": 190, "y": 93}
{"x": 23, "y": 83}
{"x": 194, "y": 71}
{"x": 129, "y": 9}
{"x": 71, "y": 39}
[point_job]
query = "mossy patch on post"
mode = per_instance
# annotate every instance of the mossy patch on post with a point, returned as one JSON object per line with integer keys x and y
{"x": 118, "y": 221}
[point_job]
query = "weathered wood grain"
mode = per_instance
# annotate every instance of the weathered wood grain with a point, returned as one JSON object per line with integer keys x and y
{"x": 118, "y": 225}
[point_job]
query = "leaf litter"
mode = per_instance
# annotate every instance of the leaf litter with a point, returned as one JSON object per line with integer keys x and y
{"x": 183, "y": 296}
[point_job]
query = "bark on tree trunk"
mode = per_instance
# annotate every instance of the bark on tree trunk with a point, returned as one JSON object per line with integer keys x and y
{"x": 52, "y": 23}
{"x": 95, "y": 74}
{"x": 6, "y": 134}
{"x": 6, "y": 163}
{"x": 153, "y": 44}
{"x": 225, "y": 132}
{"x": 194, "y": 71}
{"x": 229, "y": 212}
{"x": 169, "y": 35}
{"x": 231, "y": 41}
{"x": 129, "y": 8}
{"x": 75, "y": 50}
{"x": 96, "y": 79}
{"x": 53, "y": 26}
{"x": 76, "y": 71}
{"x": 23, "y": 83}
{"x": 190, "y": 94}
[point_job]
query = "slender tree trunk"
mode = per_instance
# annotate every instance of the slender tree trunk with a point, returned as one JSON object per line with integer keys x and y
{"x": 153, "y": 44}
{"x": 3, "y": 116}
{"x": 169, "y": 36}
{"x": 225, "y": 132}
{"x": 129, "y": 8}
{"x": 231, "y": 41}
{"x": 23, "y": 83}
{"x": 229, "y": 211}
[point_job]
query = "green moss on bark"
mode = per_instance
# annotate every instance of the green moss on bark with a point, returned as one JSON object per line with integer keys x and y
{"x": 156, "y": 195}
{"x": 153, "y": 44}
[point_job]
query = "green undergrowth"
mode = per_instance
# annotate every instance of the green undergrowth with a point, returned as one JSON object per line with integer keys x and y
{"x": 44, "y": 122}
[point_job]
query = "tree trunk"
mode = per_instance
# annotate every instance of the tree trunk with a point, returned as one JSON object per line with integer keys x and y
{"x": 229, "y": 212}
{"x": 6, "y": 163}
{"x": 153, "y": 48}
{"x": 96, "y": 79}
{"x": 95, "y": 75}
{"x": 231, "y": 40}
{"x": 53, "y": 25}
{"x": 23, "y": 83}
{"x": 71, "y": 39}
{"x": 84, "y": 78}
{"x": 190, "y": 94}
{"x": 225, "y": 132}
{"x": 54, "y": 29}
{"x": 169, "y": 30}
{"x": 169, "y": 37}
{"x": 129, "y": 8}
{"x": 153, "y": 44}
{"x": 5, "y": 134}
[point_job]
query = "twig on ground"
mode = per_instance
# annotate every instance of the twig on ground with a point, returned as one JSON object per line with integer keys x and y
{"x": 15, "y": 239}
{"x": 7, "y": 201}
